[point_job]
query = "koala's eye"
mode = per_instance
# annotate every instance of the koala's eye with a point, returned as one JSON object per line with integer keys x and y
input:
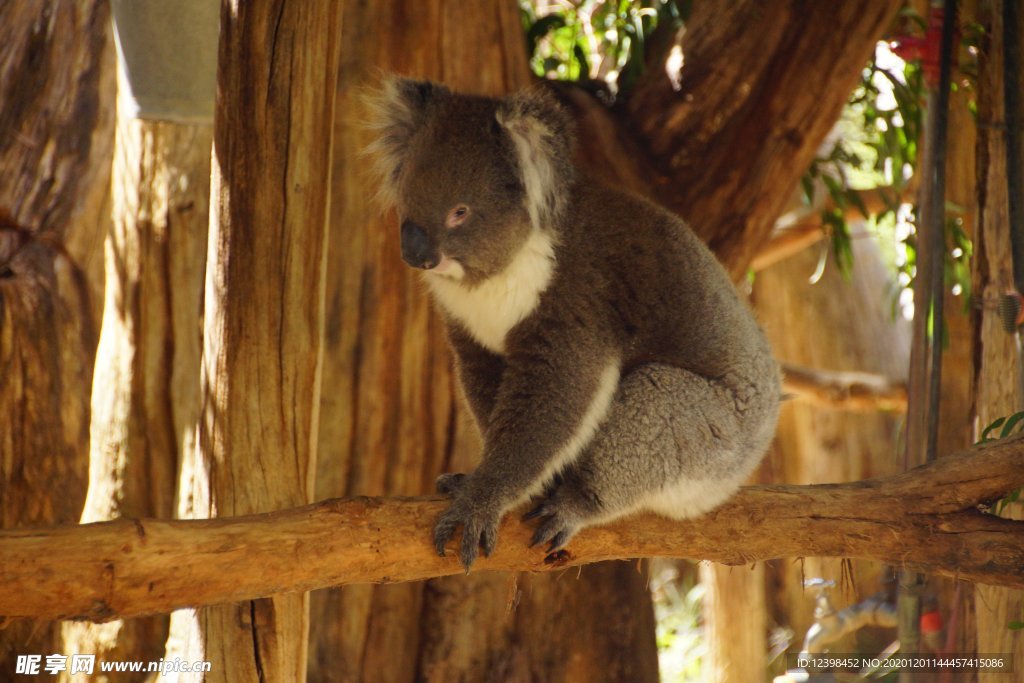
{"x": 457, "y": 216}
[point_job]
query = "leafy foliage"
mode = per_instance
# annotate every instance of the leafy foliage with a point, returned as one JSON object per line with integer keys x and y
{"x": 878, "y": 147}
{"x": 600, "y": 40}
{"x": 875, "y": 146}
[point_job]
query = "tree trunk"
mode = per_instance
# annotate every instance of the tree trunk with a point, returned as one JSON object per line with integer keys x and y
{"x": 760, "y": 85}
{"x": 57, "y": 83}
{"x": 852, "y": 329}
{"x": 56, "y": 133}
{"x": 735, "y": 623}
{"x": 145, "y": 398}
{"x": 382, "y": 347}
{"x": 46, "y": 347}
{"x": 264, "y": 315}
{"x": 997, "y": 364}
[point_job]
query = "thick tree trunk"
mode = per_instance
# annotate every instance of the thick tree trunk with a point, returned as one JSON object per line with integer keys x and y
{"x": 382, "y": 347}
{"x": 145, "y": 398}
{"x": 46, "y": 347}
{"x": 998, "y": 360}
{"x": 56, "y": 133}
{"x": 57, "y": 82}
{"x": 759, "y": 86}
{"x": 264, "y": 316}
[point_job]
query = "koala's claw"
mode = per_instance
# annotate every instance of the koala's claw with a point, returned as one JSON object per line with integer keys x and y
{"x": 555, "y": 530}
{"x": 479, "y": 532}
{"x": 536, "y": 512}
{"x": 563, "y": 513}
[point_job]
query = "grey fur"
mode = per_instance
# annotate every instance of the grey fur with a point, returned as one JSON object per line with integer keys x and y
{"x": 603, "y": 350}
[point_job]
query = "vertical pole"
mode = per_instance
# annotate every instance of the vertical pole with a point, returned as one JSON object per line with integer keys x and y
{"x": 926, "y": 353}
{"x": 264, "y": 317}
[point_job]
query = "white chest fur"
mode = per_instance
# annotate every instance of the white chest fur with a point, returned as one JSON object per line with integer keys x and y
{"x": 491, "y": 308}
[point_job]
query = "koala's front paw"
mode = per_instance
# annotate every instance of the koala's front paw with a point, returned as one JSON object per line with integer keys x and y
{"x": 563, "y": 514}
{"x": 479, "y": 522}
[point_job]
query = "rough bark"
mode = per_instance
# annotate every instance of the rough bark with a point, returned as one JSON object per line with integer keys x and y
{"x": 925, "y": 519}
{"x": 996, "y": 366}
{"x": 730, "y": 138}
{"x": 57, "y": 87}
{"x": 46, "y": 347}
{"x": 145, "y": 397}
{"x": 389, "y": 392}
{"x": 263, "y": 324}
{"x": 56, "y": 133}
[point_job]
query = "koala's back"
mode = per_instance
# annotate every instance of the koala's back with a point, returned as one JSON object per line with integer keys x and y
{"x": 637, "y": 272}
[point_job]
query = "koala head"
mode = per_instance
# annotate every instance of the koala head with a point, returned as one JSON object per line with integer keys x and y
{"x": 471, "y": 178}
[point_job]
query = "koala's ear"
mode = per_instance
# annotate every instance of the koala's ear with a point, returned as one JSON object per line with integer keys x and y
{"x": 542, "y": 132}
{"x": 395, "y": 112}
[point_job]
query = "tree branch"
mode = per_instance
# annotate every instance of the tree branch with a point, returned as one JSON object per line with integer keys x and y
{"x": 845, "y": 390}
{"x": 926, "y": 519}
{"x": 791, "y": 239}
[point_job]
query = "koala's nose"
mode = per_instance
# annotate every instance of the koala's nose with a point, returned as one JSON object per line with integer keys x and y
{"x": 416, "y": 248}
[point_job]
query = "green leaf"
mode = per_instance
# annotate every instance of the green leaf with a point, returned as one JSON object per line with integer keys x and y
{"x": 835, "y": 190}
{"x": 1011, "y": 422}
{"x": 1015, "y": 625}
{"x": 988, "y": 430}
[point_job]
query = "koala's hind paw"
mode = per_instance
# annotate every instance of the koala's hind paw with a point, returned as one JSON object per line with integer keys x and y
{"x": 555, "y": 529}
{"x": 449, "y": 484}
{"x": 561, "y": 519}
{"x": 479, "y": 530}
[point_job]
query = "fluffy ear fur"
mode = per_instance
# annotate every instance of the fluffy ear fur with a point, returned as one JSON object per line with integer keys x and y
{"x": 395, "y": 112}
{"x": 542, "y": 133}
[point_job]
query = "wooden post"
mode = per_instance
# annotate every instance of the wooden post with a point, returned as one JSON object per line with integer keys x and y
{"x": 145, "y": 393}
{"x": 145, "y": 396}
{"x": 996, "y": 366}
{"x": 264, "y": 319}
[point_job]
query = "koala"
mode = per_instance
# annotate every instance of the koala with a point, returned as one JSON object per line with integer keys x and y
{"x": 604, "y": 352}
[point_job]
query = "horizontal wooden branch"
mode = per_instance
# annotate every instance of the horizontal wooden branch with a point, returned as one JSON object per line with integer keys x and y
{"x": 926, "y": 520}
{"x": 785, "y": 242}
{"x": 845, "y": 390}
{"x": 792, "y": 239}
